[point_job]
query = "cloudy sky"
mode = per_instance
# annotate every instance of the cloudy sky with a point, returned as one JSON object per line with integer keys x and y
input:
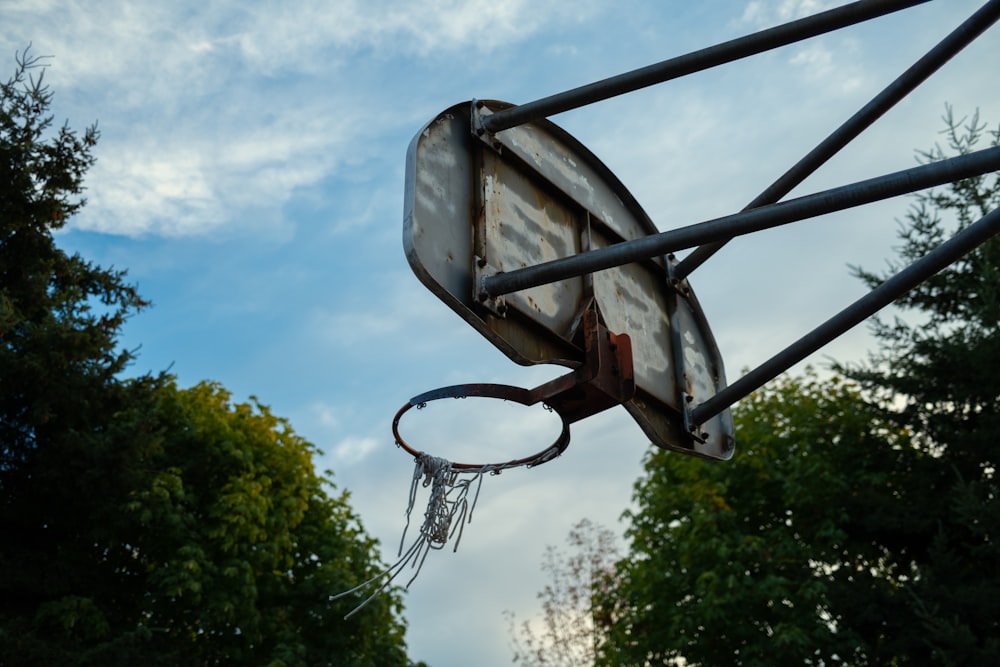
{"x": 251, "y": 174}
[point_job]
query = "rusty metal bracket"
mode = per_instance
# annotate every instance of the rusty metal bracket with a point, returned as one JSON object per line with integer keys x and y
{"x": 605, "y": 379}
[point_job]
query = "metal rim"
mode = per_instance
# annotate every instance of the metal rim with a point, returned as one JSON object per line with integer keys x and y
{"x": 500, "y": 391}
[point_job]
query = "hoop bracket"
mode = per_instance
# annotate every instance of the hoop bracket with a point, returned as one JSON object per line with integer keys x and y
{"x": 605, "y": 379}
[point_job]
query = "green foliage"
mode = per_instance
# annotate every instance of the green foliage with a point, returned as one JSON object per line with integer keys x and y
{"x": 243, "y": 547}
{"x": 857, "y": 524}
{"x": 740, "y": 563}
{"x": 142, "y": 523}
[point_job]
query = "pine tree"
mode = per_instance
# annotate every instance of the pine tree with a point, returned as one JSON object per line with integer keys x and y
{"x": 936, "y": 373}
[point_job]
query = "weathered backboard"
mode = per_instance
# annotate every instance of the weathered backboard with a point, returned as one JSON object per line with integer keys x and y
{"x": 477, "y": 205}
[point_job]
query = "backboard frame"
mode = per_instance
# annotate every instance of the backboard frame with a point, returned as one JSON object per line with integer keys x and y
{"x": 478, "y": 203}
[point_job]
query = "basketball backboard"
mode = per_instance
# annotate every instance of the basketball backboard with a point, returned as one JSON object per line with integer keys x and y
{"x": 477, "y": 204}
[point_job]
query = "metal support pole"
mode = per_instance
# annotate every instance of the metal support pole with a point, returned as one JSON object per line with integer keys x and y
{"x": 957, "y": 40}
{"x": 765, "y": 217}
{"x": 948, "y": 252}
{"x": 696, "y": 61}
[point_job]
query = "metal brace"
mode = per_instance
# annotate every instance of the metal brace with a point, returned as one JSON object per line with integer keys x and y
{"x": 479, "y": 110}
{"x": 693, "y": 429}
{"x": 496, "y": 305}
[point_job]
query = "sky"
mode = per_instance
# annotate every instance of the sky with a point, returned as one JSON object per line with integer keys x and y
{"x": 250, "y": 179}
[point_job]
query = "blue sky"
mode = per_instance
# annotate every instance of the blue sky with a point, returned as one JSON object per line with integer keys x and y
{"x": 250, "y": 179}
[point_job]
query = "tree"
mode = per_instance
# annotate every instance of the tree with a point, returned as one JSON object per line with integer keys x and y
{"x": 242, "y": 548}
{"x": 936, "y": 374}
{"x": 142, "y": 523}
{"x": 858, "y": 523}
{"x": 741, "y": 562}
{"x": 568, "y": 635}
{"x": 59, "y": 392}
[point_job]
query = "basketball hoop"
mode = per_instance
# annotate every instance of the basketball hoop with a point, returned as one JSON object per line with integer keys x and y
{"x": 603, "y": 381}
{"x": 533, "y": 241}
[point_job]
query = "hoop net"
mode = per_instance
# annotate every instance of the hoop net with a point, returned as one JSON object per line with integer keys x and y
{"x": 449, "y": 506}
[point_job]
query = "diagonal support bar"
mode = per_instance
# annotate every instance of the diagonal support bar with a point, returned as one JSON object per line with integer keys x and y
{"x": 765, "y": 217}
{"x": 696, "y": 61}
{"x": 948, "y": 252}
{"x": 916, "y": 74}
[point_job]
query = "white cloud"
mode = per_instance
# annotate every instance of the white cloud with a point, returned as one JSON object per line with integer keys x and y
{"x": 821, "y": 65}
{"x": 198, "y": 106}
{"x": 187, "y": 41}
{"x": 354, "y": 450}
{"x": 418, "y": 27}
{"x": 327, "y": 416}
{"x": 794, "y": 9}
{"x": 763, "y": 13}
{"x": 826, "y": 61}
{"x": 138, "y": 193}
{"x": 191, "y": 178}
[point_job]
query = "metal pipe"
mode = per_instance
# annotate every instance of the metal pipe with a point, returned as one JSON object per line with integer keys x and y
{"x": 948, "y": 252}
{"x": 765, "y": 217}
{"x": 696, "y": 61}
{"x": 917, "y": 73}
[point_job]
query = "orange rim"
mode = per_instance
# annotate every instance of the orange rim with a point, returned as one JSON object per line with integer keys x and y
{"x": 498, "y": 391}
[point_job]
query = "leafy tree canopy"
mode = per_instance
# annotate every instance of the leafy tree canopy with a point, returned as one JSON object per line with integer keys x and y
{"x": 143, "y": 523}
{"x": 769, "y": 559}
